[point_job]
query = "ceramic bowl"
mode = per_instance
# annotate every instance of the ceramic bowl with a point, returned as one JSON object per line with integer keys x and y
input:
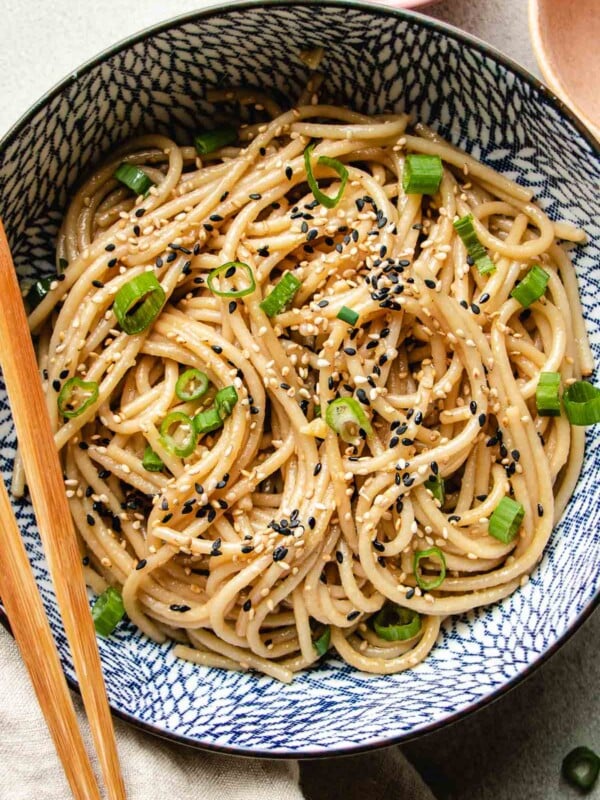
{"x": 376, "y": 59}
{"x": 565, "y": 40}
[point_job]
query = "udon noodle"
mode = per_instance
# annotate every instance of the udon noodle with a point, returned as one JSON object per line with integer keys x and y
{"x": 274, "y": 539}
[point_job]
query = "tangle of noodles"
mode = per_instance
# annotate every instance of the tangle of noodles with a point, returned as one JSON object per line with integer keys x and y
{"x": 273, "y": 527}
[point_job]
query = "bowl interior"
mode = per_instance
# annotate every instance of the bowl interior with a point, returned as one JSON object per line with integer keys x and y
{"x": 376, "y": 60}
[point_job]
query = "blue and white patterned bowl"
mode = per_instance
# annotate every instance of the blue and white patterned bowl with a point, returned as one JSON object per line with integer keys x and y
{"x": 376, "y": 59}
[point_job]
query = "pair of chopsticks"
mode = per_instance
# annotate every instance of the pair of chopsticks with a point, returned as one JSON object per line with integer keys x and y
{"x": 18, "y": 590}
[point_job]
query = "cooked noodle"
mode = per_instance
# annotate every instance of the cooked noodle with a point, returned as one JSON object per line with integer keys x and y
{"x": 274, "y": 527}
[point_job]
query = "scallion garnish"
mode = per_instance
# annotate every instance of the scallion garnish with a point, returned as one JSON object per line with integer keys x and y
{"x": 134, "y": 178}
{"x": 191, "y": 385}
{"x": 532, "y": 287}
{"x": 546, "y": 394}
{"x": 76, "y": 396}
{"x": 209, "y": 141}
{"x": 396, "y": 624}
{"x": 108, "y": 611}
{"x": 346, "y": 417}
{"x": 225, "y": 400}
{"x": 321, "y": 644}
{"x": 505, "y": 520}
{"x": 581, "y": 767}
{"x": 151, "y": 462}
{"x": 281, "y": 295}
{"x": 437, "y": 487}
{"x": 138, "y": 302}
{"x": 422, "y": 174}
{"x": 347, "y": 315}
{"x": 322, "y": 198}
{"x": 582, "y": 403}
{"x": 182, "y": 441}
{"x": 437, "y": 580}
{"x": 207, "y": 421}
{"x": 466, "y": 230}
{"x": 37, "y": 291}
{"x": 229, "y": 270}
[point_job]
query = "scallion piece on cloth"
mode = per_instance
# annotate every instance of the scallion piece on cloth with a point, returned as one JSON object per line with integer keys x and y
{"x": 225, "y": 400}
{"x": 437, "y": 487}
{"x": 532, "y": 287}
{"x": 207, "y": 421}
{"x": 347, "y": 315}
{"x": 547, "y": 399}
{"x": 422, "y": 174}
{"x": 436, "y": 580}
{"x": 337, "y": 166}
{"x": 178, "y": 434}
{"x": 191, "y": 385}
{"x": 76, "y": 396}
{"x": 151, "y": 462}
{"x": 281, "y": 295}
{"x": 209, "y": 141}
{"x": 582, "y": 403}
{"x": 346, "y": 417}
{"x": 134, "y": 178}
{"x": 37, "y": 291}
{"x": 505, "y": 520}
{"x": 138, "y": 303}
{"x": 396, "y": 624}
{"x": 228, "y": 271}
{"x": 466, "y": 230}
{"x": 108, "y": 611}
{"x": 321, "y": 643}
{"x": 581, "y": 767}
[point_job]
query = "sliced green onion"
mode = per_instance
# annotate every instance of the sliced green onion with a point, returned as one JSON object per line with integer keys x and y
{"x": 151, "y": 462}
{"x": 225, "y": 400}
{"x": 437, "y": 580}
{"x": 346, "y": 417}
{"x": 422, "y": 174}
{"x": 396, "y": 624}
{"x": 322, "y": 198}
{"x": 183, "y": 442}
{"x": 228, "y": 271}
{"x": 207, "y": 421}
{"x": 466, "y": 230}
{"x": 191, "y": 385}
{"x": 76, "y": 396}
{"x": 321, "y": 644}
{"x": 37, "y": 291}
{"x": 134, "y": 178}
{"x": 281, "y": 295}
{"x": 209, "y": 141}
{"x": 348, "y": 315}
{"x": 581, "y": 767}
{"x": 546, "y": 394}
{"x": 532, "y": 287}
{"x": 582, "y": 403}
{"x": 506, "y": 520}
{"x": 138, "y": 302}
{"x": 108, "y": 611}
{"x": 437, "y": 487}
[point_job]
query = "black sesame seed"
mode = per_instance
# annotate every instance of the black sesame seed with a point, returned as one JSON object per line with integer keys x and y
{"x": 247, "y": 605}
{"x": 352, "y": 615}
{"x": 141, "y": 563}
{"x": 288, "y": 173}
{"x": 378, "y": 546}
{"x": 429, "y": 283}
{"x": 482, "y": 420}
{"x": 312, "y": 234}
{"x": 411, "y": 592}
{"x": 85, "y": 561}
{"x": 110, "y": 247}
{"x": 280, "y": 553}
{"x": 318, "y": 468}
{"x": 312, "y": 522}
{"x": 98, "y": 284}
{"x": 473, "y": 407}
{"x": 540, "y": 510}
{"x": 232, "y": 306}
{"x": 167, "y": 517}
{"x": 140, "y": 212}
{"x": 137, "y": 230}
{"x": 362, "y": 397}
{"x": 484, "y": 298}
{"x": 216, "y": 348}
{"x": 56, "y": 385}
{"x": 112, "y": 263}
{"x": 339, "y": 557}
{"x": 90, "y": 520}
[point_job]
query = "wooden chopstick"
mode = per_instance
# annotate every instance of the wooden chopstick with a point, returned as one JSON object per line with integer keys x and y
{"x": 45, "y": 482}
{"x": 33, "y": 635}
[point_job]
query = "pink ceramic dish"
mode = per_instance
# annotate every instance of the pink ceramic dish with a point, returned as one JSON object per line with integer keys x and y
{"x": 566, "y": 36}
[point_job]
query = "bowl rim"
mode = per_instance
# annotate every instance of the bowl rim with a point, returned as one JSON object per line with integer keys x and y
{"x": 448, "y": 30}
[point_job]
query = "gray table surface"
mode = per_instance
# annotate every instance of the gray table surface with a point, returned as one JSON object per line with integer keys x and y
{"x": 513, "y": 748}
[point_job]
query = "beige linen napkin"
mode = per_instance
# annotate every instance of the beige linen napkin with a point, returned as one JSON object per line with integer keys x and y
{"x": 155, "y": 769}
